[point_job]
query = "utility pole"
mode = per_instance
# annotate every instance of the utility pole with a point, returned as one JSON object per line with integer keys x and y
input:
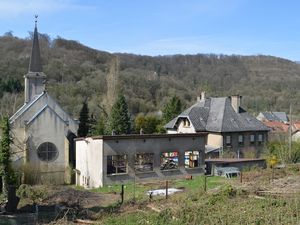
{"x": 290, "y": 133}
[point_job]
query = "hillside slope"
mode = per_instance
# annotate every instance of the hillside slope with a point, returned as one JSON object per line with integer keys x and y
{"x": 75, "y": 72}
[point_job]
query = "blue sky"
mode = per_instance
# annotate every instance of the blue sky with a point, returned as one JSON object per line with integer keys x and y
{"x": 164, "y": 27}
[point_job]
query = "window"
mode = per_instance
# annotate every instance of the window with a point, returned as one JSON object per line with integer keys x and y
{"x": 228, "y": 140}
{"x": 169, "y": 160}
{"x": 186, "y": 123}
{"x": 116, "y": 164}
{"x": 144, "y": 162}
{"x": 252, "y": 138}
{"x": 241, "y": 139}
{"x": 47, "y": 152}
{"x": 191, "y": 159}
{"x": 260, "y": 138}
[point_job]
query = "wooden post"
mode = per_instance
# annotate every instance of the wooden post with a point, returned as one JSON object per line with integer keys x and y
{"x": 241, "y": 177}
{"x": 167, "y": 189}
{"x": 122, "y": 193}
{"x": 273, "y": 171}
{"x": 205, "y": 183}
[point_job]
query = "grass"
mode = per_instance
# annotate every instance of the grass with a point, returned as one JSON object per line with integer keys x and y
{"x": 139, "y": 189}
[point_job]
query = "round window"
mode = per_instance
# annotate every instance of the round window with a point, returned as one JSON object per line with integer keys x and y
{"x": 47, "y": 151}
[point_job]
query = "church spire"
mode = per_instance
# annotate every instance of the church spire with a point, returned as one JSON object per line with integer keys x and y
{"x": 35, "y": 60}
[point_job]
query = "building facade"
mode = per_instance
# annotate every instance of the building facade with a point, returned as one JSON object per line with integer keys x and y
{"x": 113, "y": 159}
{"x": 42, "y": 131}
{"x": 231, "y": 130}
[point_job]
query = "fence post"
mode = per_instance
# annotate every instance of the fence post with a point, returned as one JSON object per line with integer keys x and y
{"x": 167, "y": 189}
{"x": 122, "y": 193}
{"x": 241, "y": 177}
{"x": 205, "y": 183}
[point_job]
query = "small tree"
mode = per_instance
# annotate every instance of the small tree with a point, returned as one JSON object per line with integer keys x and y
{"x": 98, "y": 126}
{"x": 150, "y": 124}
{"x": 6, "y": 171}
{"x": 172, "y": 109}
{"x": 84, "y": 123}
{"x": 119, "y": 121}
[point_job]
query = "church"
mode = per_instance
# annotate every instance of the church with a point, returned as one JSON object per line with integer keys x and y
{"x": 42, "y": 131}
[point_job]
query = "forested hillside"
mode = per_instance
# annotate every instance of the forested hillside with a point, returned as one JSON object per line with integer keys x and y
{"x": 76, "y": 72}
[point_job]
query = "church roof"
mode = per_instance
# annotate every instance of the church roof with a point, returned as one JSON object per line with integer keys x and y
{"x": 218, "y": 115}
{"x": 35, "y": 60}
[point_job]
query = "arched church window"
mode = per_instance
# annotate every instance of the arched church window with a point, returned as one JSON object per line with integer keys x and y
{"x": 47, "y": 151}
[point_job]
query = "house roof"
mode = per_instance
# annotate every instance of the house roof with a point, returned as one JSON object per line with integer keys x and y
{"x": 218, "y": 115}
{"x": 277, "y": 126}
{"x": 275, "y": 116}
{"x": 296, "y": 125}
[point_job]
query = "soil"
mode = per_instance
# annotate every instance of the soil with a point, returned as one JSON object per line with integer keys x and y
{"x": 70, "y": 197}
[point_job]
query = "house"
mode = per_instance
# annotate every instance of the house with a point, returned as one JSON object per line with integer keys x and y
{"x": 278, "y": 130}
{"x": 296, "y": 131}
{"x": 42, "y": 131}
{"x": 106, "y": 160}
{"x": 273, "y": 116}
{"x": 232, "y": 132}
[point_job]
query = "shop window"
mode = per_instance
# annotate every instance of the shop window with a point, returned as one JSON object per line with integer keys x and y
{"x": 169, "y": 160}
{"x": 116, "y": 164}
{"x": 144, "y": 162}
{"x": 191, "y": 159}
{"x": 228, "y": 140}
{"x": 252, "y": 138}
{"x": 241, "y": 139}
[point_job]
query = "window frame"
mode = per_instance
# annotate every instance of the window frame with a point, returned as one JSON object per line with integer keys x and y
{"x": 117, "y": 167}
{"x": 189, "y": 160}
{"x": 241, "y": 139}
{"x": 151, "y": 163}
{"x": 162, "y": 157}
{"x": 228, "y": 143}
{"x": 252, "y": 141}
{"x": 43, "y": 148}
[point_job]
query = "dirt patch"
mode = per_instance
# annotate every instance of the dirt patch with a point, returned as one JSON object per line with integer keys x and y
{"x": 84, "y": 199}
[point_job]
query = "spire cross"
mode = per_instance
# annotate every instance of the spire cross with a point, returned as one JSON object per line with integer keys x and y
{"x": 36, "y": 16}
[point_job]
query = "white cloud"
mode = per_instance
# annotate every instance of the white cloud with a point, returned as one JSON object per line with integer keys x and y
{"x": 16, "y": 8}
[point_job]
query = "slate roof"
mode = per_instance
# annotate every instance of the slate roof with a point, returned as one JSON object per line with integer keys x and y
{"x": 35, "y": 59}
{"x": 275, "y": 116}
{"x": 218, "y": 115}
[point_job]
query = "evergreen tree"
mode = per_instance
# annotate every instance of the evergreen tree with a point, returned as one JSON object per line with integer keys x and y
{"x": 6, "y": 171}
{"x": 119, "y": 122}
{"x": 172, "y": 109}
{"x": 84, "y": 123}
{"x": 98, "y": 126}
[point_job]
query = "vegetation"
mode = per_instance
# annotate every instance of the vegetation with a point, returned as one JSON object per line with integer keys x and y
{"x": 148, "y": 124}
{"x": 6, "y": 170}
{"x": 84, "y": 121}
{"x": 172, "y": 109}
{"x": 76, "y": 72}
{"x": 119, "y": 121}
{"x": 283, "y": 152}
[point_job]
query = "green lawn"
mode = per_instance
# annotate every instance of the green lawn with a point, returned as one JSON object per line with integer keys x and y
{"x": 139, "y": 189}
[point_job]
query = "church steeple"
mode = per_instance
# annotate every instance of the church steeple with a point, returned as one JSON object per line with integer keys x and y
{"x": 35, "y": 60}
{"x": 35, "y": 79}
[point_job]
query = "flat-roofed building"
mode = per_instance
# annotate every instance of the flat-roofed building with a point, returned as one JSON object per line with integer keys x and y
{"x": 121, "y": 158}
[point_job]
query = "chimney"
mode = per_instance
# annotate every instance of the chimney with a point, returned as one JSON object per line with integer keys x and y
{"x": 236, "y": 102}
{"x": 201, "y": 97}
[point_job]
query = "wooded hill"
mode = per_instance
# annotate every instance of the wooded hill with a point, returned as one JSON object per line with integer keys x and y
{"x": 76, "y": 72}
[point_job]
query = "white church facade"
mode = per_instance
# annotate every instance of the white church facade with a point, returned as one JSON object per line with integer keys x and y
{"x": 42, "y": 131}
